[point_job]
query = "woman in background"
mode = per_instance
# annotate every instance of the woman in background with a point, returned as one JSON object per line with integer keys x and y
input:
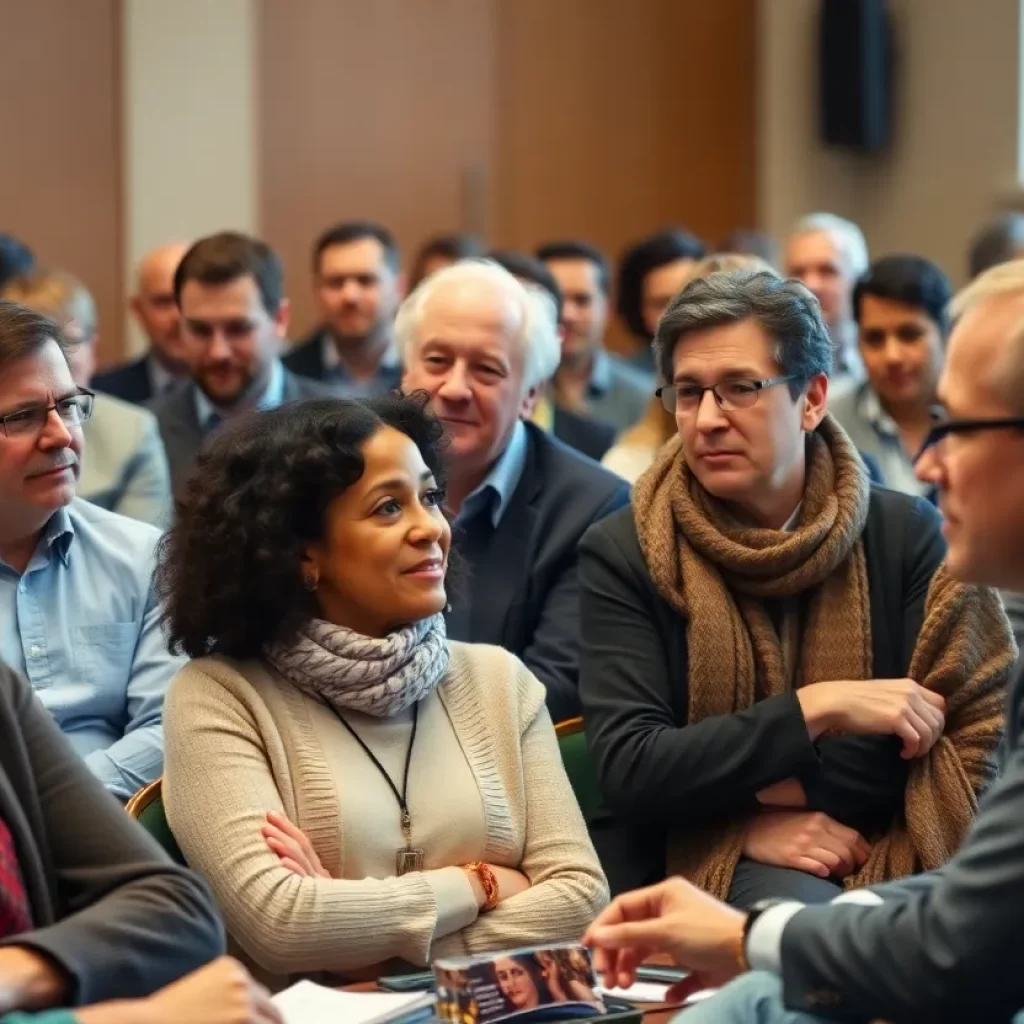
{"x": 353, "y": 785}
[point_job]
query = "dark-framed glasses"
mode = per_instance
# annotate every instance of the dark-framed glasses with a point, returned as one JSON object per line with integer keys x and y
{"x": 729, "y": 395}
{"x": 73, "y": 412}
{"x": 943, "y": 427}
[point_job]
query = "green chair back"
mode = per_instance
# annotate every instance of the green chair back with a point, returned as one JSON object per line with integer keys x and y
{"x": 572, "y": 743}
{"x": 147, "y": 808}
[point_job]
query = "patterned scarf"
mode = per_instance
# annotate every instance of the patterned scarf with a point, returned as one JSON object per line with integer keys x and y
{"x": 358, "y": 673}
{"x": 716, "y": 574}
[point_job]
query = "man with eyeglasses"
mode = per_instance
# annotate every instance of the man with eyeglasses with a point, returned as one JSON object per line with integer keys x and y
{"x": 765, "y": 700}
{"x": 78, "y": 616}
{"x": 943, "y": 946}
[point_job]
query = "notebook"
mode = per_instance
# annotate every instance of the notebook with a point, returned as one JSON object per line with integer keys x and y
{"x": 309, "y": 1003}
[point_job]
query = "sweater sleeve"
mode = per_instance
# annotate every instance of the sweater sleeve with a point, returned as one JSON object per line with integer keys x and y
{"x": 567, "y": 886}
{"x": 220, "y": 784}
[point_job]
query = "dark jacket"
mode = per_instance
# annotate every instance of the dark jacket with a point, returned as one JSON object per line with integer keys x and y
{"x": 107, "y": 904}
{"x": 943, "y": 946}
{"x": 588, "y": 436}
{"x": 306, "y": 358}
{"x": 522, "y": 591}
{"x": 656, "y": 771}
{"x": 130, "y": 383}
{"x": 182, "y": 434}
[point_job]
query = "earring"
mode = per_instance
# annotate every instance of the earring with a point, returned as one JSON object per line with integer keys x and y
{"x": 310, "y": 581}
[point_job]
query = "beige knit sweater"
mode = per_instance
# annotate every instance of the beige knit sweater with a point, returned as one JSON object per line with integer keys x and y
{"x": 240, "y": 740}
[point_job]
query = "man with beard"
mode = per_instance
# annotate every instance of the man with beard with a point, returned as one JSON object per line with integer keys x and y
{"x": 358, "y": 284}
{"x": 234, "y": 314}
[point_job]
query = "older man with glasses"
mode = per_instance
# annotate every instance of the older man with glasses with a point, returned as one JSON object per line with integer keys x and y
{"x": 769, "y": 706}
{"x": 78, "y": 616}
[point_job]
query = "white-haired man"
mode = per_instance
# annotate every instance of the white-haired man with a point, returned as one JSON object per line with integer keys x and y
{"x": 482, "y": 346}
{"x": 937, "y": 947}
{"x": 827, "y": 254}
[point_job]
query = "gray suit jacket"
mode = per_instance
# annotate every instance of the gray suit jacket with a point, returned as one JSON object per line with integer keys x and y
{"x": 183, "y": 436}
{"x": 124, "y": 468}
{"x": 945, "y": 946}
{"x": 107, "y": 905}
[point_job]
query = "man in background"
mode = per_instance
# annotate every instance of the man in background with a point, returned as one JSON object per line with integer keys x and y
{"x": 234, "y": 316}
{"x": 999, "y": 241}
{"x": 588, "y": 379}
{"x": 16, "y": 258}
{"x": 124, "y": 468}
{"x": 827, "y": 254}
{"x": 358, "y": 284}
{"x": 163, "y": 365}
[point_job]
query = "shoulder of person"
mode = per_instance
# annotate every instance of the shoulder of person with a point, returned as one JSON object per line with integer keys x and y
{"x": 630, "y": 375}
{"x": 899, "y": 513}
{"x": 124, "y": 418}
{"x": 497, "y": 680}
{"x": 567, "y": 474}
{"x": 121, "y": 538}
{"x": 241, "y": 682}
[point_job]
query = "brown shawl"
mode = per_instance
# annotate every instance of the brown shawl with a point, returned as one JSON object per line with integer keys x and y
{"x": 716, "y": 574}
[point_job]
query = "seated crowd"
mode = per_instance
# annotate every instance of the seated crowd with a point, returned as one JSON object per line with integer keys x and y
{"x": 333, "y": 598}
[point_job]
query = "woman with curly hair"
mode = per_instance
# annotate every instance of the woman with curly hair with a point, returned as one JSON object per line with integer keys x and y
{"x": 353, "y": 785}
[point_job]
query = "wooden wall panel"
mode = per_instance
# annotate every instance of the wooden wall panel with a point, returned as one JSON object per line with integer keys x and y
{"x": 60, "y": 180}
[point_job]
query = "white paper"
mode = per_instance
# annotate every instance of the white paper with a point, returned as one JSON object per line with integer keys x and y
{"x": 638, "y": 992}
{"x": 309, "y": 1003}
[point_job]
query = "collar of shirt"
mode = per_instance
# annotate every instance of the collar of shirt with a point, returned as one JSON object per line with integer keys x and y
{"x": 600, "y": 374}
{"x": 210, "y": 416}
{"x": 496, "y": 489}
{"x": 161, "y": 380}
{"x": 57, "y": 536}
{"x": 389, "y": 362}
{"x": 869, "y": 407}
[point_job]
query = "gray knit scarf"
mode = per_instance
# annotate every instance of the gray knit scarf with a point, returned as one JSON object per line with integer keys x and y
{"x": 358, "y": 673}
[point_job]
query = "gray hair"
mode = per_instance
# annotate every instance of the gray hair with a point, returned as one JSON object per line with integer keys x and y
{"x": 537, "y": 336}
{"x": 849, "y": 238}
{"x": 787, "y": 312}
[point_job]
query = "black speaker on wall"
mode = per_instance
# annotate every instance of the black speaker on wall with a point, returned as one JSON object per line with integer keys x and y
{"x": 856, "y": 72}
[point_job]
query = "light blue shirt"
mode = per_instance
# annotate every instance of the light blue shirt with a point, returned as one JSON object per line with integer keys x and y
{"x": 344, "y": 385}
{"x": 210, "y": 416}
{"x": 83, "y": 626}
{"x": 495, "y": 491}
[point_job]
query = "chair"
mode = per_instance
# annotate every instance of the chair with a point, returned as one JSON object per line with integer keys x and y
{"x": 147, "y": 808}
{"x": 572, "y": 744}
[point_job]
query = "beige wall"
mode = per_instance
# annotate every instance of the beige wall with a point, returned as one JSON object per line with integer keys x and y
{"x": 954, "y": 158}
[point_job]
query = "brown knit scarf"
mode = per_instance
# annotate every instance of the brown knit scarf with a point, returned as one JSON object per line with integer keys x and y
{"x": 717, "y": 575}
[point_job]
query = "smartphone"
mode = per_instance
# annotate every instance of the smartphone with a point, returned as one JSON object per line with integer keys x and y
{"x": 660, "y": 975}
{"x": 421, "y": 981}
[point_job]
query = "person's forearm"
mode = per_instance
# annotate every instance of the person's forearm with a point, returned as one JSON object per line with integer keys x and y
{"x": 31, "y": 981}
{"x": 131, "y": 763}
{"x": 124, "y": 1011}
{"x": 818, "y": 709}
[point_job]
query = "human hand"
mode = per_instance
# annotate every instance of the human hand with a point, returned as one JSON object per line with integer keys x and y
{"x": 30, "y": 981}
{"x": 806, "y": 840}
{"x": 787, "y": 793}
{"x": 219, "y": 993}
{"x": 896, "y": 707}
{"x": 292, "y": 846}
{"x": 697, "y": 931}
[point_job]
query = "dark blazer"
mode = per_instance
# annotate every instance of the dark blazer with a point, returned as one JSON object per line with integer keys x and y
{"x": 522, "y": 591}
{"x": 107, "y": 904}
{"x": 182, "y": 435}
{"x": 130, "y": 382}
{"x": 943, "y": 946}
{"x": 306, "y": 357}
{"x": 589, "y": 436}
{"x": 656, "y": 771}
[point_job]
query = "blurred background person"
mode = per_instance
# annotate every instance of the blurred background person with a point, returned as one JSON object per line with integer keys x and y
{"x": 163, "y": 366}
{"x": 827, "y": 254}
{"x": 651, "y": 272}
{"x": 999, "y": 241}
{"x": 747, "y": 242}
{"x": 16, "y": 258}
{"x": 442, "y": 251}
{"x": 358, "y": 284}
{"x": 124, "y": 467}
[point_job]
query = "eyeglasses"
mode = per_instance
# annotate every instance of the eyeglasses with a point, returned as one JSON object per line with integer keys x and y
{"x": 73, "y": 412}
{"x": 729, "y": 395}
{"x": 944, "y": 427}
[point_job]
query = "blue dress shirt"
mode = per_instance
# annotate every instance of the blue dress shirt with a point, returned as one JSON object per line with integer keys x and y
{"x": 210, "y": 417}
{"x": 495, "y": 491}
{"x": 83, "y": 625}
{"x": 387, "y": 377}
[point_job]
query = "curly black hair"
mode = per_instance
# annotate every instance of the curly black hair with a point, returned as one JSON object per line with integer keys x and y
{"x": 229, "y": 570}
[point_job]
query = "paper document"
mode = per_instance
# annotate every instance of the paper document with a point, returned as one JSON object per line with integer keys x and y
{"x": 309, "y": 1003}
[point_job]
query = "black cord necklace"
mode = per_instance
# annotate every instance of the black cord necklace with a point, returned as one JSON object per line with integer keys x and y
{"x": 410, "y": 858}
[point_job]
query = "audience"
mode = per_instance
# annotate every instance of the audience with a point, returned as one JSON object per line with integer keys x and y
{"x": 16, "y": 258}
{"x": 635, "y": 450}
{"x": 827, "y": 254}
{"x": 234, "y": 316}
{"x": 163, "y": 366}
{"x": 746, "y": 242}
{"x": 124, "y": 468}
{"x": 588, "y": 379}
{"x": 442, "y": 251}
{"x": 481, "y": 346}
{"x": 900, "y": 306}
{"x": 77, "y": 612}
{"x": 941, "y": 947}
{"x": 584, "y": 433}
{"x": 307, "y": 575}
{"x": 358, "y": 283}
{"x": 651, "y": 272}
{"x": 784, "y": 693}
{"x": 999, "y": 241}
{"x": 90, "y": 910}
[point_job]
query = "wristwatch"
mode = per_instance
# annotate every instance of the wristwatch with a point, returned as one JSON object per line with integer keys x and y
{"x": 752, "y": 915}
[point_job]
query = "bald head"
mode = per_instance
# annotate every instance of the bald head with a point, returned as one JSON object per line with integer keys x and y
{"x": 154, "y": 306}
